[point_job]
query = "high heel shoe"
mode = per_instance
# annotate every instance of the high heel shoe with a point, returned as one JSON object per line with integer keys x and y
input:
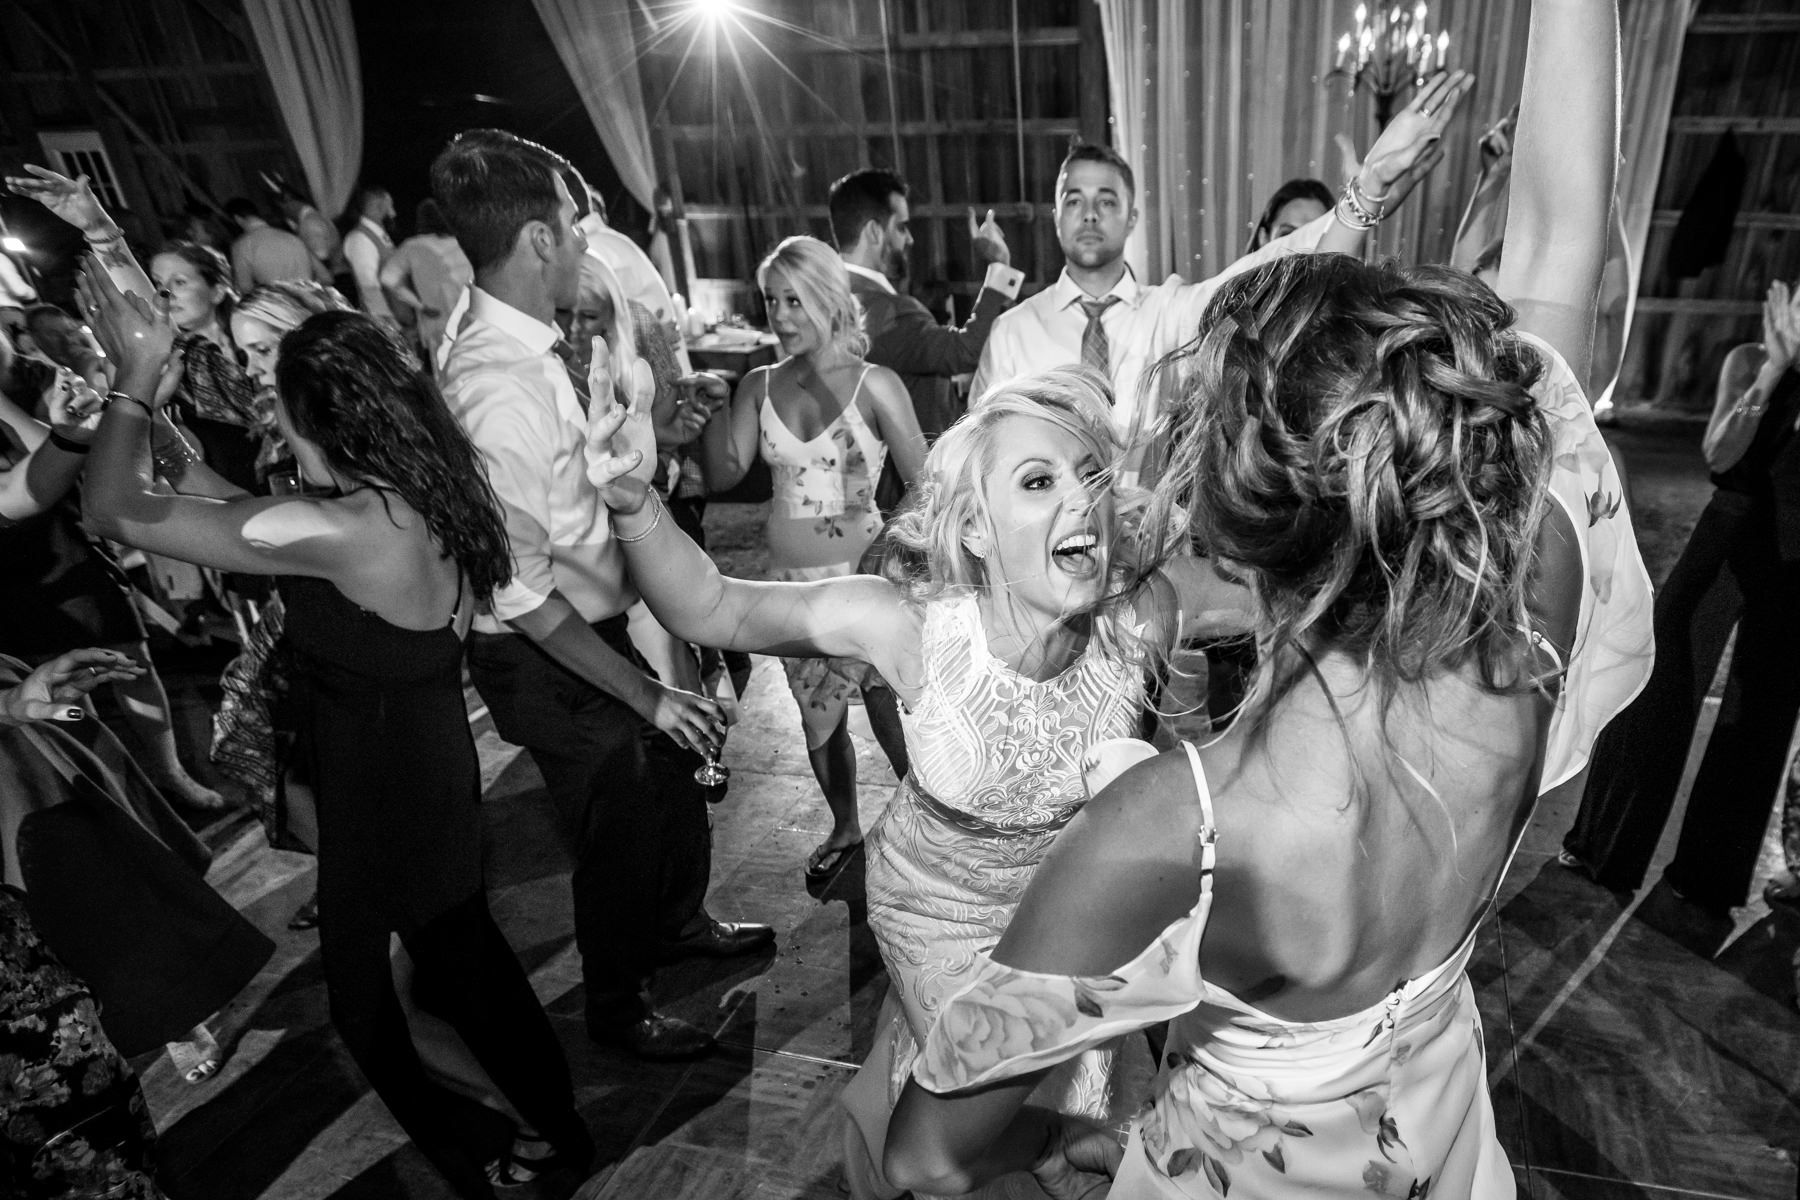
{"x": 515, "y": 1169}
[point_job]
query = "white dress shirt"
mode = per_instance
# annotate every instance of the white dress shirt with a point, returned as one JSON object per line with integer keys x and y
{"x": 1045, "y": 330}
{"x": 509, "y": 390}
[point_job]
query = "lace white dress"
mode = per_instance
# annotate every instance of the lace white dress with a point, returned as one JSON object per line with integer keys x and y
{"x": 995, "y": 775}
{"x": 1389, "y": 1101}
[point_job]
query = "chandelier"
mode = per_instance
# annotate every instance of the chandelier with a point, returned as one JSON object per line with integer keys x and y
{"x": 1388, "y": 52}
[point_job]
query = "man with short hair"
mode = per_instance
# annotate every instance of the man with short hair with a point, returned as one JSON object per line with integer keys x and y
{"x": 367, "y": 247}
{"x": 870, "y": 218}
{"x": 314, "y": 228}
{"x": 65, "y": 342}
{"x": 552, "y": 659}
{"x": 261, "y": 253}
{"x": 1097, "y": 313}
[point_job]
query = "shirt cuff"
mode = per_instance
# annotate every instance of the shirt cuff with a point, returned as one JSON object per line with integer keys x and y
{"x": 1004, "y": 279}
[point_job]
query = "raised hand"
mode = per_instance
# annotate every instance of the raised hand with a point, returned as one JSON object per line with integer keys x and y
{"x": 53, "y": 692}
{"x": 610, "y": 463}
{"x": 1409, "y": 147}
{"x": 71, "y": 199}
{"x": 1781, "y": 325}
{"x": 989, "y": 242}
{"x": 135, "y": 333}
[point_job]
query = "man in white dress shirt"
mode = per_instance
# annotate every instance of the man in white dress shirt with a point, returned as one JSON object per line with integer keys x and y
{"x": 1097, "y": 313}
{"x": 367, "y": 247}
{"x": 552, "y": 659}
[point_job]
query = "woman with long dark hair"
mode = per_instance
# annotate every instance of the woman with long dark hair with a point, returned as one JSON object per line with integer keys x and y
{"x": 380, "y": 577}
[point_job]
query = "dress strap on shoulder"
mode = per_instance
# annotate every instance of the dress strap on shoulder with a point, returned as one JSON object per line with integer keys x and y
{"x": 1208, "y": 832}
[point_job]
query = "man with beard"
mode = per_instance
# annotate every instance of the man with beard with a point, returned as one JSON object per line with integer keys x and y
{"x": 870, "y": 221}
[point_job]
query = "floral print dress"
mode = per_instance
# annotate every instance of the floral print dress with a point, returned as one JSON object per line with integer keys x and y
{"x": 1390, "y": 1101}
{"x": 822, "y": 517}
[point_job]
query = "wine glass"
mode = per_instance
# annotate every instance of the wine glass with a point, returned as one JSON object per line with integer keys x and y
{"x": 712, "y": 772}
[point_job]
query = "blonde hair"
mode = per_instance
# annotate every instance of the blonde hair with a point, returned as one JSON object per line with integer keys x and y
{"x": 927, "y": 557}
{"x": 819, "y": 279}
{"x": 600, "y": 280}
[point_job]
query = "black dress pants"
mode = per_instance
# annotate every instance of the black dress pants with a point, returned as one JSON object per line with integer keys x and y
{"x": 1729, "y": 574}
{"x": 467, "y": 975}
{"x": 633, "y": 818}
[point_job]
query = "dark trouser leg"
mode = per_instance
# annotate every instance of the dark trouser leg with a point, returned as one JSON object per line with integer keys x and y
{"x": 468, "y": 975}
{"x": 1735, "y": 790}
{"x": 360, "y": 983}
{"x": 883, "y": 709}
{"x": 1639, "y": 758}
{"x": 1230, "y": 664}
{"x": 636, "y": 832}
{"x": 690, "y": 516}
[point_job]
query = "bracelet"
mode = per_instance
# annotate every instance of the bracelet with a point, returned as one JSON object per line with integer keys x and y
{"x": 175, "y": 460}
{"x": 1358, "y": 211}
{"x": 67, "y": 445}
{"x": 115, "y": 397}
{"x": 657, "y": 520}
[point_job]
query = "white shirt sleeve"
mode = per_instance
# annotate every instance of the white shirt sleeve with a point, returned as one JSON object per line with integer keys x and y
{"x": 517, "y": 442}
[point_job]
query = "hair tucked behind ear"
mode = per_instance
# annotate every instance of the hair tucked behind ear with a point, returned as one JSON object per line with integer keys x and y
{"x": 352, "y": 389}
{"x": 1362, "y": 443}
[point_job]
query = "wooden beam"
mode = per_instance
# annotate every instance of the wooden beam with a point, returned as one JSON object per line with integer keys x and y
{"x": 1693, "y": 307}
{"x": 1734, "y": 124}
{"x": 1744, "y": 220}
{"x": 1095, "y": 99}
{"x": 1746, "y": 23}
{"x": 1032, "y": 127}
{"x": 124, "y": 118}
{"x": 872, "y": 43}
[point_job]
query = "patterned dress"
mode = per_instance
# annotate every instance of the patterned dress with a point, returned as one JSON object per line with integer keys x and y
{"x": 1389, "y": 1101}
{"x": 821, "y": 518}
{"x": 996, "y": 774}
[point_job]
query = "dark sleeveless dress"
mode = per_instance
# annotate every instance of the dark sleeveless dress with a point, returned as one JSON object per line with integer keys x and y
{"x": 384, "y": 736}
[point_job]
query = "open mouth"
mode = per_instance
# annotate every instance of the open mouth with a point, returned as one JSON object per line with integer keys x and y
{"x": 1078, "y": 554}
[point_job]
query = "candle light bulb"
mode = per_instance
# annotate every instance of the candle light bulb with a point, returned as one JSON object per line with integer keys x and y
{"x": 1443, "y": 47}
{"x": 1419, "y": 13}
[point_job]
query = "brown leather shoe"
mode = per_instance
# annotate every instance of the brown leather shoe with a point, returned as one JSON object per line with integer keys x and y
{"x": 721, "y": 939}
{"x": 657, "y": 1038}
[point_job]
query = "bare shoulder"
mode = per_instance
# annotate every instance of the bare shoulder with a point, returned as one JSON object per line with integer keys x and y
{"x": 1124, "y": 870}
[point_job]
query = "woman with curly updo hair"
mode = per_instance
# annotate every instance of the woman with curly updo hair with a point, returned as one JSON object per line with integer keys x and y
{"x": 380, "y": 573}
{"x": 1448, "y": 603}
{"x": 824, "y": 420}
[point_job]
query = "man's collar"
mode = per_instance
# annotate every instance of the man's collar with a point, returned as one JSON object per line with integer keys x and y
{"x": 521, "y": 326}
{"x": 881, "y": 281}
{"x": 373, "y": 226}
{"x": 1066, "y": 291}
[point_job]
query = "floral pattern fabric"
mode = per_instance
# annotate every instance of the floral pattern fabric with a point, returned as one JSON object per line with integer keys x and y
{"x": 822, "y": 516}
{"x": 947, "y": 868}
{"x": 73, "y": 1125}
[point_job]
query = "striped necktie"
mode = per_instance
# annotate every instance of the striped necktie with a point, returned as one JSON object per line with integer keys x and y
{"x": 1094, "y": 351}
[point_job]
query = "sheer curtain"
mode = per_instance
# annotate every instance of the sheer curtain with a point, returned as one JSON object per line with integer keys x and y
{"x": 308, "y": 48}
{"x": 1216, "y": 105}
{"x": 594, "y": 40}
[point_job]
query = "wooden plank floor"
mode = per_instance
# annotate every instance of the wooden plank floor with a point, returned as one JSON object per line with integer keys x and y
{"x": 1632, "y": 1051}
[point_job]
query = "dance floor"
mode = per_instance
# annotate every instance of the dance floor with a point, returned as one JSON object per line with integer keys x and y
{"x": 1633, "y": 1050}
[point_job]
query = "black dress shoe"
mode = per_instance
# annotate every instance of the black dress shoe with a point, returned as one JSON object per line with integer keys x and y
{"x": 721, "y": 939}
{"x": 657, "y": 1038}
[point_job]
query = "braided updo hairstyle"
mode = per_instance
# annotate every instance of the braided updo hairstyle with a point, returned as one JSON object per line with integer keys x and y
{"x": 1361, "y": 443}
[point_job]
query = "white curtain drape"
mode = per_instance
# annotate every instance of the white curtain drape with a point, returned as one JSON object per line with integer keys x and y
{"x": 308, "y": 48}
{"x": 1216, "y": 105}
{"x": 1652, "y": 34}
{"x": 594, "y": 40}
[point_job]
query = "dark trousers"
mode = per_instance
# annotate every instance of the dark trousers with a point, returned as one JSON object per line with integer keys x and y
{"x": 468, "y": 976}
{"x": 1728, "y": 574}
{"x": 632, "y": 816}
{"x": 690, "y": 516}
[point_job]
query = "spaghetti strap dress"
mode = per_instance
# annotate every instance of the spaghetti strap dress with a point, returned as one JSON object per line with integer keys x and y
{"x": 822, "y": 516}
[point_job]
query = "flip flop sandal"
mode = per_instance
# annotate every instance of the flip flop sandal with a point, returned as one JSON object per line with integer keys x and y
{"x": 825, "y": 862}
{"x": 516, "y": 1170}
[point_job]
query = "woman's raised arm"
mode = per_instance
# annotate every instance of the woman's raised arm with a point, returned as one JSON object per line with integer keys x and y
{"x": 1565, "y": 156}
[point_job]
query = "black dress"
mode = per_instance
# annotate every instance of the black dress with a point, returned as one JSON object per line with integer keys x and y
{"x": 384, "y": 736}
{"x": 1740, "y": 568}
